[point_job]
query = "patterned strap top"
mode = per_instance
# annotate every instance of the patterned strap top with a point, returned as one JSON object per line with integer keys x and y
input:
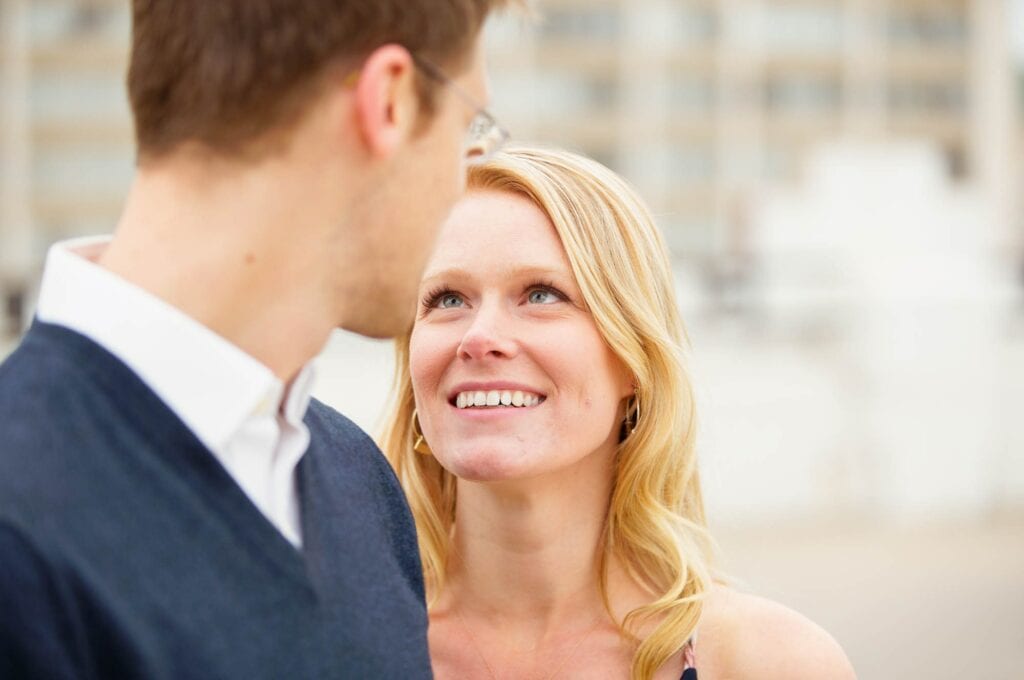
{"x": 690, "y": 659}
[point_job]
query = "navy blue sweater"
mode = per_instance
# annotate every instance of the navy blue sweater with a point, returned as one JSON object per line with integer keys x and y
{"x": 127, "y": 551}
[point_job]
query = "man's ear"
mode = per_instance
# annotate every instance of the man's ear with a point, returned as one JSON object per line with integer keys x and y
{"x": 386, "y": 99}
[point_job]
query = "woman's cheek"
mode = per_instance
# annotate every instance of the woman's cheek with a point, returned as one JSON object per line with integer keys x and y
{"x": 427, "y": 360}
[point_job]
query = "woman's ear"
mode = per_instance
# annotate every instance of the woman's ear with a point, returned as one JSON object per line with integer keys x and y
{"x": 629, "y": 384}
{"x": 386, "y": 100}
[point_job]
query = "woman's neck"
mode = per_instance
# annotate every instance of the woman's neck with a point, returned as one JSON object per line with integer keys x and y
{"x": 522, "y": 595}
{"x": 529, "y": 551}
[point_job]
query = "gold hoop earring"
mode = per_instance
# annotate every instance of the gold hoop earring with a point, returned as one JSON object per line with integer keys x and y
{"x": 419, "y": 442}
{"x": 632, "y": 419}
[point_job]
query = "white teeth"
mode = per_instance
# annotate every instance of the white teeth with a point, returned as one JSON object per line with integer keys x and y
{"x": 495, "y": 398}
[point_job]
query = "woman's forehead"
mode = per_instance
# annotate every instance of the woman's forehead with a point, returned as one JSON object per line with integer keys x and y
{"x": 497, "y": 231}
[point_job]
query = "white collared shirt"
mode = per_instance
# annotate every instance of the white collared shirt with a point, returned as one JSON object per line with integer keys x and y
{"x": 234, "y": 404}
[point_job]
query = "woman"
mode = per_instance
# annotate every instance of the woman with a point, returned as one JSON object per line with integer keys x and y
{"x": 544, "y": 433}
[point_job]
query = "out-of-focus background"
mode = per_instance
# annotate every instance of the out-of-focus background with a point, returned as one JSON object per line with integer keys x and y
{"x": 840, "y": 184}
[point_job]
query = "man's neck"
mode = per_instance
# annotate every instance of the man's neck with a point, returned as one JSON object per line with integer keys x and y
{"x": 217, "y": 251}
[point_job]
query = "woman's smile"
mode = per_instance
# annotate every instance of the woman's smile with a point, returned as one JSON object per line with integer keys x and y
{"x": 493, "y": 395}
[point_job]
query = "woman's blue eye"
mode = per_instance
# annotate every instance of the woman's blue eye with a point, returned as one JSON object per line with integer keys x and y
{"x": 541, "y": 296}
{"x": 449, "y": 300}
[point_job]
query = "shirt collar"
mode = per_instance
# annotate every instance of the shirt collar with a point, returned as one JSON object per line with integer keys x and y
{"x": 210, "y": 384}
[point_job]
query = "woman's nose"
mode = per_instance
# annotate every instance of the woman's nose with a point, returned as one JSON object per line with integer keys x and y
{"x": 489, "y": 335}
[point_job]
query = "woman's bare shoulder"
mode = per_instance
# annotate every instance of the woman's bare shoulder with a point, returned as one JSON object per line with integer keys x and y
{"x": 744, "y": 637}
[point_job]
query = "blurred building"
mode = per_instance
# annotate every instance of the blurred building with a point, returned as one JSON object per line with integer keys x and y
{"x": 705, "y": 104}
{"x": 66, "y": 154}
{"x": 836, "y": 177}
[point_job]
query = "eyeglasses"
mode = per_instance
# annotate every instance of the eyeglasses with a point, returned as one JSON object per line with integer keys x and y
{"x": 485, "y": 136}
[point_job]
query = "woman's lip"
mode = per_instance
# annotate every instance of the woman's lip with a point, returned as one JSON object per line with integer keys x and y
{"x": 493, "y": 387}
{"x": 500, "y": 386}
{"x": 485, "y": 413}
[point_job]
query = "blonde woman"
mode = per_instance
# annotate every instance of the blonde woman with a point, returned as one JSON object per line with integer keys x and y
{"x": 544, "y": 433}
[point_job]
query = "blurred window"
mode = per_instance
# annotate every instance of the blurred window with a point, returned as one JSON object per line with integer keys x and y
{"x": 696, "y": 26}
{"x": 780, "y": 162}
{"x": 802, "y": 93}
{"x": 53, "y": 22}
{"x": 587, "y": 23}
{"x": 939, "y": 25}
{"x": 923, "y": 96}
{"x": 804, "y": 28}
{"x": 692, "y": 164}
{"x": 694, "y": 94}
{"x": 575, "y": 93}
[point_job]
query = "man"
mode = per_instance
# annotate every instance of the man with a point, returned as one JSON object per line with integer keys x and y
{"x": 171, "y": 503}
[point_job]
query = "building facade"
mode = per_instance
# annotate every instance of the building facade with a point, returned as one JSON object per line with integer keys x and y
{"x": 703, "y": 104}
{"x": 706, "y": 103}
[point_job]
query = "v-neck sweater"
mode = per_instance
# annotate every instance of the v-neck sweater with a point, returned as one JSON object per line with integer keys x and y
{"x": 128, "y": 551}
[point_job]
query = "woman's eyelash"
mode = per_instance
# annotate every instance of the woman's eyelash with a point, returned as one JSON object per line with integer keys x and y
{"x": 549, "y": 287}
{"x": 434, "y": 295}
{"x": 431, "y": 299}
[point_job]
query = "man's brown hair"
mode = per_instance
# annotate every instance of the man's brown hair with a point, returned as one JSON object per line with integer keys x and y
{"x": 226, "y": 73}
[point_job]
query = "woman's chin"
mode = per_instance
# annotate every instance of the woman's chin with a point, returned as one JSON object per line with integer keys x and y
{"x": 487, "y": 466}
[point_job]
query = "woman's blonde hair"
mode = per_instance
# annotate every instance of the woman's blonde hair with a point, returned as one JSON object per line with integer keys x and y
{"x": 655, "y": 527}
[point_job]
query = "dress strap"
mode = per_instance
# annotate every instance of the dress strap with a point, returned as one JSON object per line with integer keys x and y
{"x": 690, "y": 659}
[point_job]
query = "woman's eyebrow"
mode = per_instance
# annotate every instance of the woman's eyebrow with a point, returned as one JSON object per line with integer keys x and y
{"x": 511, "y": 271}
